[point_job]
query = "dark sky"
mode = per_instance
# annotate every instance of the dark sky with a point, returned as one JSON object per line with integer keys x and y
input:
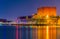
{"x": 11, "y": 9}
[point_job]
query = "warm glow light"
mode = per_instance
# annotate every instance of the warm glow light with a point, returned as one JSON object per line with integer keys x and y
{"x": 47, "y": 16}
{"x": 47, "y": 34}
{"x": 54, "y": 26}
{"x": 47, "y": 28}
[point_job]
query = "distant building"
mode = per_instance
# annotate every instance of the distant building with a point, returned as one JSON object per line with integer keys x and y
{"x": 24, "y": 19}
{"x": 44, "y": 11}
{"x": 3, "y": 20}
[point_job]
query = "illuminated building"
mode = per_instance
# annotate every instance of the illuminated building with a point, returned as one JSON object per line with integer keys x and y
{"x": 43, "y": 11}
{"x": 44, "y": 15}
{"x": 46, "y": 32}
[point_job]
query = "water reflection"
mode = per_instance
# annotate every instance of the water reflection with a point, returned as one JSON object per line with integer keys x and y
{"x": 30, "y": 32}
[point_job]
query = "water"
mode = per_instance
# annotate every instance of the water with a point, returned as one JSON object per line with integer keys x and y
{"x": 9, "y": 32}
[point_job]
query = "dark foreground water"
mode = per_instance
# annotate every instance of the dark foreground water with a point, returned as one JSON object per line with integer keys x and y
{"x": 10, "y": 32}
{"x": 7, "y": 32}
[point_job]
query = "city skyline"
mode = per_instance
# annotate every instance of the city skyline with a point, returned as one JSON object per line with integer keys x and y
{"x": 10, "y": 9}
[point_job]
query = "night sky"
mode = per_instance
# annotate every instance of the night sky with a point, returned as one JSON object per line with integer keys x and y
{"x": 11, "y": 9}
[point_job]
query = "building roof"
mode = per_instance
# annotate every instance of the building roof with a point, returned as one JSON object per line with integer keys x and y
{"x": 24, "y": 17}
{"x": 4, "y": 20}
